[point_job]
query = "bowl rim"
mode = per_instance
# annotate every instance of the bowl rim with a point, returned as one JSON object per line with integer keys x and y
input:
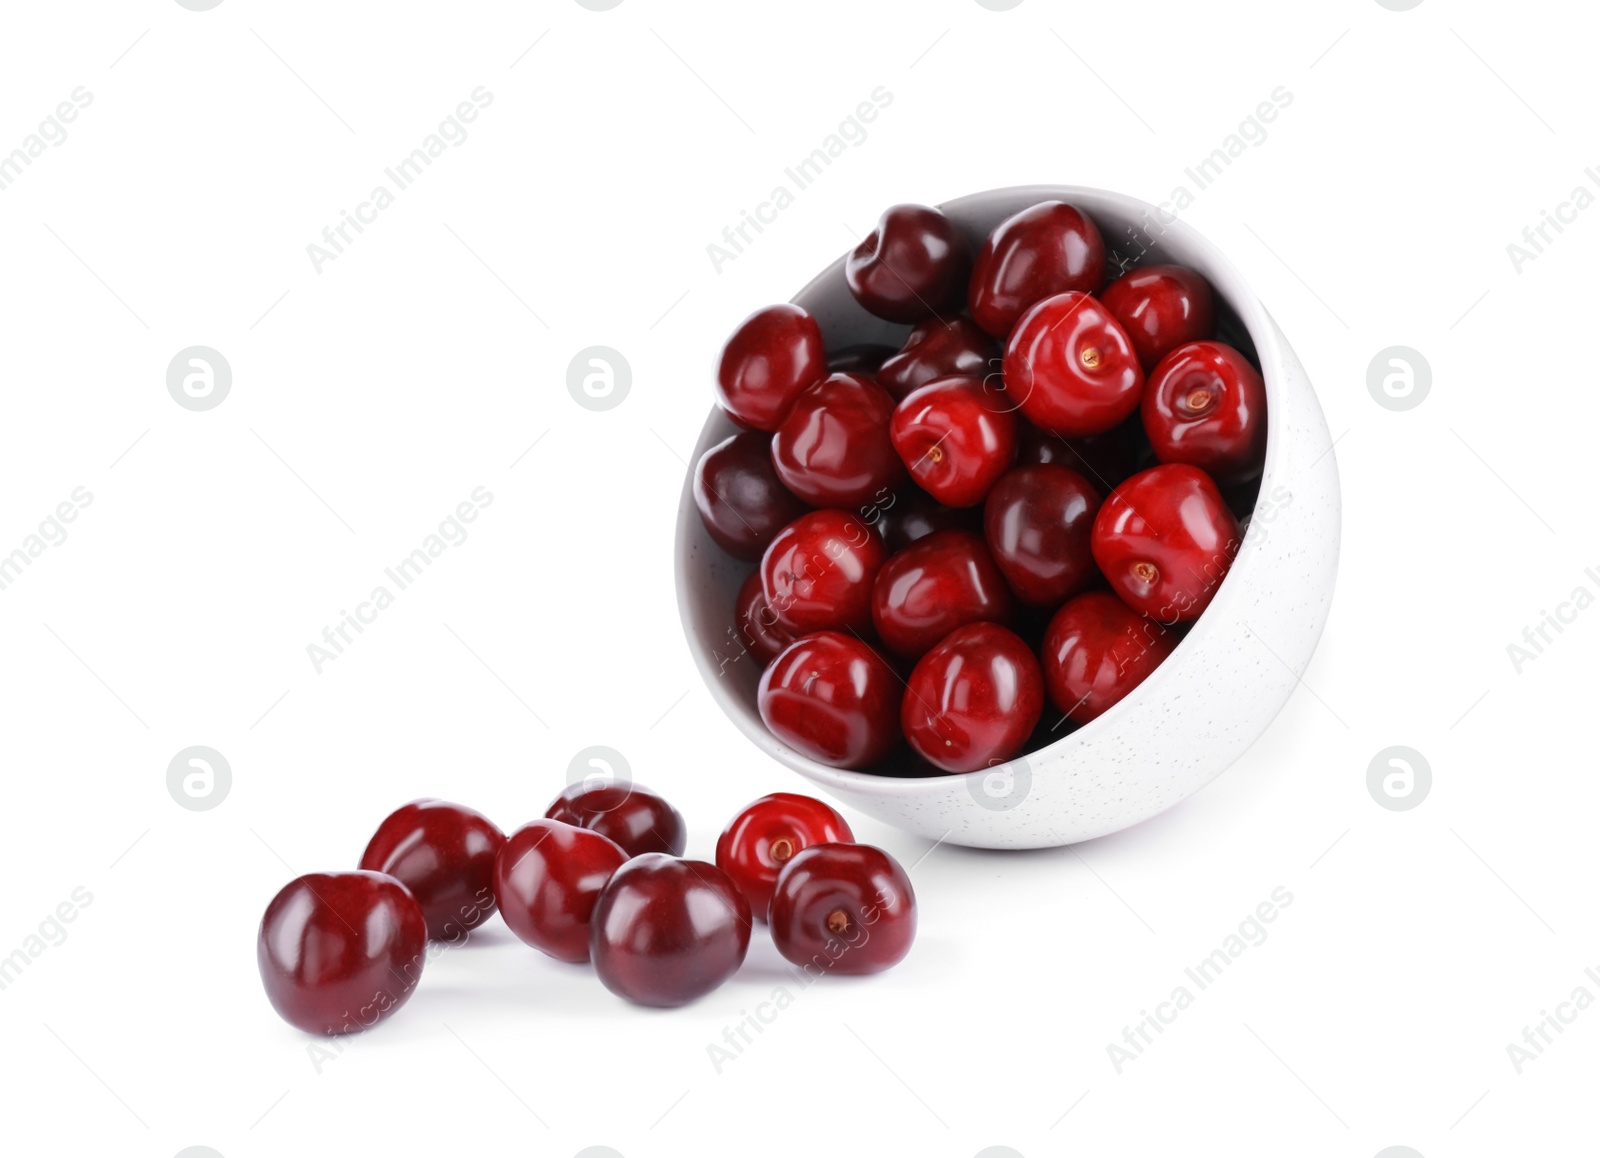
{"x": 1271, "y": 351}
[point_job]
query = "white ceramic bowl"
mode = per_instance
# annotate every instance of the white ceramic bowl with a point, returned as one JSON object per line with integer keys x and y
{"x": 1197, "y": 712}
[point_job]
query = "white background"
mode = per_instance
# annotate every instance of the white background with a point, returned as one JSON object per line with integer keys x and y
{"x": 372, "y": 397}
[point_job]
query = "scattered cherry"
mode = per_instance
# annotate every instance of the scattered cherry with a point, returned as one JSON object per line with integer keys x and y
{"x": 1097, "y": 649}
{"x": 666, "y": 931}
{"x": 1036, "y": 522}
{"x": 1161, "y": 307}
{"x": 818, "y": 571}
{"x": 939, "y": 348}
{"x": 740, "y": 497}
{"x": 763, "y": 838}
{"x": 833, "y": 449}
{"x": 444, "y": 853}
{"x": 912, "y": 266}
{"x": 758, "y": 626}
{"x": 774, "y": 354}
{"x": 955, "y": 437}
{"x": 1044, "y": 250}
{"x": 972, "y": 701}
{"x": 547, "y": 879}
{"x": 339, "y": 952}
{"x": 1071, "y": 367}
{"x": 1207, "y": 406}
{"x": 832, "y": 698}
{"x": 934, "y": 586}
{"x": 632, "y": 816}
{"x": 843, "y": 908}
{"x": 1165, "y": 540}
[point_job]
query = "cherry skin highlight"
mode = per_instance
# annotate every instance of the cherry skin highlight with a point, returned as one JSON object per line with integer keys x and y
{"x": 1071, "y": 367}
{"x": 1207, "y": 406}
{"x": 740, "y": 498}
{"x": 547, "y": 879}
{"x": 1160, "y": 307}
{"x": 1037, "y": 522}
{"x": 939, "y": 348}
{"x": 912, "y": 266}
{"x": 630, "y": 815}
{"x": 833, "y": 698}
{"x": 340, "y": 951}
{"x": 1044, "y": 250}
{"x": 774, "y": 354}
{"x": 844, "y": 908}
{"x": 833, "y": 449}
{"x": 767, "y": 834}
{"x": 818, "y": 572}
{"x": 666, "y": 931}
{"x": 956, "y": 438}
{"x": 973, "y": 700}
{"x": 1097, "y": 649}
{"x": 934, "y": 586}
{"x": 444, "y": 853}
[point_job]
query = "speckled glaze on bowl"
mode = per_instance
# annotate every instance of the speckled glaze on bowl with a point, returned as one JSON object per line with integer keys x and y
{"x": 1199, "y": 710}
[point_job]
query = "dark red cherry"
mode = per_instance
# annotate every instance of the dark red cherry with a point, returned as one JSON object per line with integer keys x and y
{"x": 666, "y": 931}
{"x": 863, "y": 358}
{"x": 444, "y": 853}
{"x": 1160, "y": 307}
{"x": 763, "y": 838}
{"x": 1036, "y": 522}
{"x": 1164, "y": 540}
{"x": 844, "y": 908}
{"x": 913, "y": 265}
{"x": 1070, "y": 367}
{"x": 1047, "y": 249}
{"x": 758, "y": 627}
{"x": 817, "y": 574}
{"x": 1207, "y": 406}
{"x": 912, "y": 514}
{"x": 628, "y": 814}
{"x": 547, "y": 879}
{"x": 933, "y": 587}
{"x": 341, "y": 951}
{"x": 774, "y": 354}
{"x": 833, "y": 449}
{"x": 973, "y": 700}
{"x": 1104, "y": 459}
{"x": 740, "y": 497}
{"x": 956, "y": 438}
{"x": 939, "y": 348}
{"x": 833, "y": 698}
{"x": 1097, "y": 649}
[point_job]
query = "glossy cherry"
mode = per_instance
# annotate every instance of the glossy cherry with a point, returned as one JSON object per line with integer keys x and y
{"x": 912, "y": 514}
{"x": 1097, "y": 649}
{"x": 934, "y": 586}
{"x": 833, "y": 698}
{"x": 757, "y": 626}
{"x": 912, "y": 266}
{"x": 1036, "y": 522}
{"x": 547, "y": 879}
{"x": 1160, "y": 307}
{"x": 973, "y": 700}
{"x": 1164, "y": 540}
{"x": 939, "y": 348}
{"x": 862, "y": 358}
{"x": 1104, "y": 459}
{"x": 1044, "y": 250}
{"x": 339, "y": 952}
{"x": 630, "y": 815}
{"x": 666, "y": 931}
{"x": 774, "y": 354}
{"x": 833, "y": 449}
{"x": 843, "y": 908}
{"x": 817, "y": 573}
{"x": 1071, "y": 368}
{"x": 444, "y": 853}
{"x": 956, "y": 437}
{"x": 763, "y": 838}
{"x": 1206, "y": 406}
{"x": 740, "y": 497}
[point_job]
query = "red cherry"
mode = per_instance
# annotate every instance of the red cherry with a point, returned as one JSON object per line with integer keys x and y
{"x": 1044, "y": 250}
{"x": 340, "y": 951}
{"x": 817, "y": 574}
{"x": 863, "y": 358}
{"x": 934, "y": 586}
{"x": 758, "y": 842}
{"x": 1207, "y": 406}
{"x": 955, "y": 437}
{"x": 912, "y": 514}
{"x": 444, "y": 853}
{"x": 758, "y": 627}
{"x": 844, "y": 908}
{"x": 833, "y": 449}
{"x": 547, "y": 879}
{"x": 833, "y": 698}
{"x": 740, "y": 497}
{"x": 1164, "y": 540}
{"x": 630, "y": 815}
{"x": 1036, "y": 522}
{"x": 913, "y": 265}
{"x": 1105, "y": 459}
{"x": 939, "y": 348}
{"x": 1160, "y": 307}
{"x": 973, "y": 700}
{"x": 666, "y": 931}
{"x": 1071, "y": 368}
{"x": 1097, "y": 649}
{"x": 774, "y": 354}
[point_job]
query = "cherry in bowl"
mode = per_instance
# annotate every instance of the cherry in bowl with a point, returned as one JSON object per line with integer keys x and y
{"x": 1046, "y": 249}
{"x": 1071, "y": 368}
{"x": 767, "y": 834}
{"x": 843, "y": 908}
{"x": 774, "y": 354}
{"x": 444, "y": 853}
{"x": 817, "y": 573}
{"x": 1037, "y": 523}
{"x": 1160, "y": 307}
{"x": 973, "y": 700}
{"x": 833, "y": 449}
{"x": 741, "y": 500}
{"x": 939, "y": 583}
{"x": 1097, "y": 649}
{"x": 939, "y": 348}
{"x": 636, "y": 819}
{"x": 956, "y": 437}
{"x": 912, "y": 266}
{"x": 833, "y": 698}
{"x": 1206, "y": 406}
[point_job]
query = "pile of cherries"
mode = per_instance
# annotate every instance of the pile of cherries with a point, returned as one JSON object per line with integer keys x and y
{"x": 601, "y": 878}
{"x": 1034, "y": 496}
